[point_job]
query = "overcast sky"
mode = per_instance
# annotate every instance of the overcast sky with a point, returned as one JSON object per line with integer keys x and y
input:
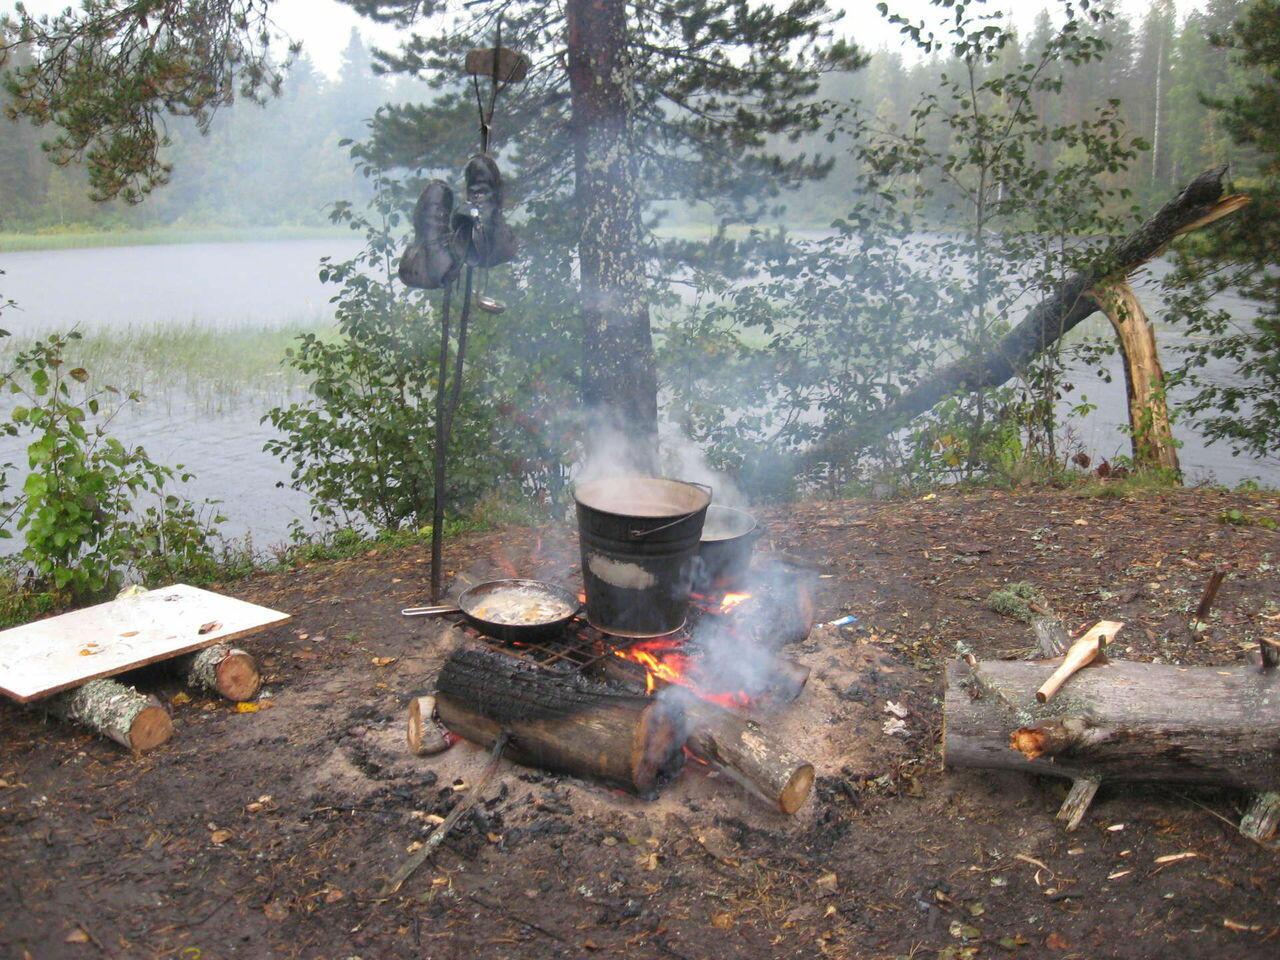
{"x": 324, "y": 25}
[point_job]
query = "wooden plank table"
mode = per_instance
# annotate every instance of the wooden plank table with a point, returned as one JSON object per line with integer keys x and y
{"x": 38, "y": 659}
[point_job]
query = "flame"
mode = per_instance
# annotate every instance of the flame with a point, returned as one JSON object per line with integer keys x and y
{"x": 724, "y": 604}
{"x": 665, "y": 662}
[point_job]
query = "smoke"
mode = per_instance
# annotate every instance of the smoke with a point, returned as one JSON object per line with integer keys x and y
{"x": 608, "y": 451}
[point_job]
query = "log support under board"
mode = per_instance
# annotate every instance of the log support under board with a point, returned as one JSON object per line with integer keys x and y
{"x": 1117, "y": 721}
{"x": 221, "y": 669}
{"x": 118, "y": 712}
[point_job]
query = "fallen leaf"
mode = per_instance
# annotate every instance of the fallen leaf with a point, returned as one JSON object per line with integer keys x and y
{"x": 494, "y": 837}
{"x": 247, "y": 708}
{"x": 219, "y": 837}
{"x": 76, "y": 936}
{"x": 589, "y": 945}
{"x": 87, "y": 653}
{"x": 209, "y": 627}
{"x": 828, "y": 883}
{"x": 1081, "y": 522}
{"x": 333, "y": 895}
{"x": 897, "y": 709}
{"x": 964, "y": 931}
{"x": 383, "y": 661}
{"x": 179, "y": 698}
{"x": 895, "y": 727}
{"x": 722, "y": 921}
{"x": 1056, "y": 941}
{"x": 414, "y": 847}
{"x": 650, "y": 862}
{"x": 275, "y": 910}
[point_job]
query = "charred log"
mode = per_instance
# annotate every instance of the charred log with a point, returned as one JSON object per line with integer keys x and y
{"x": 559, "y": 722}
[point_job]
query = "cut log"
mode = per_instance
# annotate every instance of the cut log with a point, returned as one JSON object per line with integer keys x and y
{"x": 1150, "y": 429}
{"x": 221, "y": 669}
{"x": 1077, "y": 803}
{"x": 559, "y": 721}
{"x": 1262, "y": 818}
{"x": 741, "y": 748}
{"x": 117, "y": 712}
{"x": 1118, "y": 721}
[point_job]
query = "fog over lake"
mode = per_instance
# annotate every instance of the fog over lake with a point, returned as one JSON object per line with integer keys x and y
{"x": 273, "y": 284}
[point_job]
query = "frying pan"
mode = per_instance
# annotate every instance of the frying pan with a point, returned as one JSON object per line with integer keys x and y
{"x": 470, "y": 599}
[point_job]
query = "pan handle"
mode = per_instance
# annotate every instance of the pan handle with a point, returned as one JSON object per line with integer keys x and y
{"x": 429, "y": 611}
{"x": 641, "y": 534}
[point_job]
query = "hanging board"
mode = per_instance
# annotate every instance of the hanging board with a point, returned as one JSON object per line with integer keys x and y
{"x": 40, "y": 658}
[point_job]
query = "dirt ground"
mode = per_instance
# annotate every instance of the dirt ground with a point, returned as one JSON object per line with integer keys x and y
{"x": 269, "y": 834}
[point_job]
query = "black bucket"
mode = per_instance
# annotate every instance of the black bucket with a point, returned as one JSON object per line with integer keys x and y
{"x": 639, "y": 539}
{"x": 724, "y": 556}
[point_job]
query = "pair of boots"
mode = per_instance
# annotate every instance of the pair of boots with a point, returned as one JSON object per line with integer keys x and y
{"x": 445, "y": 239}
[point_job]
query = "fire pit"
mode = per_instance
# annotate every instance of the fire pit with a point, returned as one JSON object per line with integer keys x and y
{"x": 619, "y": 709}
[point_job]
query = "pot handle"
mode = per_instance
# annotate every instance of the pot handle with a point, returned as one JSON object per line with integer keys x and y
{"x": 429, "y": 611}
{"x": 641, "y": 534}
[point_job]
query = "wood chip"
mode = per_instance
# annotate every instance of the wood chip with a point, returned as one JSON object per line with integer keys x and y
{"x": 1175, "y": 857}
{"x": 1118, "y": 874}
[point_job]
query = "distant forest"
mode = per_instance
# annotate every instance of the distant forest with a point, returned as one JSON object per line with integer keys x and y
{"x": 282, "y": 165}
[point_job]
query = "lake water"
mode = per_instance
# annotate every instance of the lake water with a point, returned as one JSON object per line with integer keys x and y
{"x": 275, "y": 283}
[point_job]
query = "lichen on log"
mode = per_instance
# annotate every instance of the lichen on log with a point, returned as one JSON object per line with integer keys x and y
{"x": 118, "y": 712}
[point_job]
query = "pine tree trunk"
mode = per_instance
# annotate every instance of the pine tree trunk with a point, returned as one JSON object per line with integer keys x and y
{"x": 619, "y": 378}
{"x": 1150, "y": 431}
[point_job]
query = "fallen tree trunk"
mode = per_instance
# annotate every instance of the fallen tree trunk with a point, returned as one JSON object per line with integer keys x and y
{"x": 1199, "y": 204}
{"x": 1117, "y": 721}
{"x": 741, "y": 748}
{"x": 559, "y": 722}
{"x": 117, "y": 712}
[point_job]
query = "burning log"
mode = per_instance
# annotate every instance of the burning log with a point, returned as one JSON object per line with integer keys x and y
{"x": 559, "y": 722}
{"x": 118, "y": 712}
{"x": 745, "y": 751}
{"x": 1117, "y": 721}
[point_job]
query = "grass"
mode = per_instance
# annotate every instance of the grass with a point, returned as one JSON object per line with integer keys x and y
{"x": 217, "y": 367}
{"x": 81, "y": 236}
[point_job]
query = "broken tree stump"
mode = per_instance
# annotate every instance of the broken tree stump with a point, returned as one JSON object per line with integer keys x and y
{"x": 741, "y": 748}
{"x": 1117, "y": 721}
{"x": 559, "y": 721}
{"x": 221, "y": 669}
{"x": 117, "y": 712}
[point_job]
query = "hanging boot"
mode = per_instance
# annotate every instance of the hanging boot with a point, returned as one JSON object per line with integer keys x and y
{"x": 480, "y": 228}
{"x": 430, "y": 263}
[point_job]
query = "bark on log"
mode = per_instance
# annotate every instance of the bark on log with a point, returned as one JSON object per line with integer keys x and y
{"x": 221, "y": 669}
{"x": 741, "y": 748}
{"x": 120, "y": 713}
{"x": 1199, "y": 204}
{"x": 559, "y": 722}
{"x": 1150, "y": 429}
{"x": 1118, "y": 721}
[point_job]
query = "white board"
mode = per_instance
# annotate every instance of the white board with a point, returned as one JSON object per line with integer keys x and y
{"x": 40, "y": 658}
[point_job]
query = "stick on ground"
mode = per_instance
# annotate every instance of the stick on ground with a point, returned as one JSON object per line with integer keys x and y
{"x": 421, "y": 856}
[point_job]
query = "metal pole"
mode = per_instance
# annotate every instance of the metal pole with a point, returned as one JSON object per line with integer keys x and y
{"x": 437, "y": 506}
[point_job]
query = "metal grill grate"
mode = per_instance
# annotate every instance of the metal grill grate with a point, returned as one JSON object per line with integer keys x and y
{"x": 580, "y": 645}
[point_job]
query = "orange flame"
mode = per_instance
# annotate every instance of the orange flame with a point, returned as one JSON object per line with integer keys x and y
{"x": 725, "y": 604}
{"x": 665, "y": 662}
